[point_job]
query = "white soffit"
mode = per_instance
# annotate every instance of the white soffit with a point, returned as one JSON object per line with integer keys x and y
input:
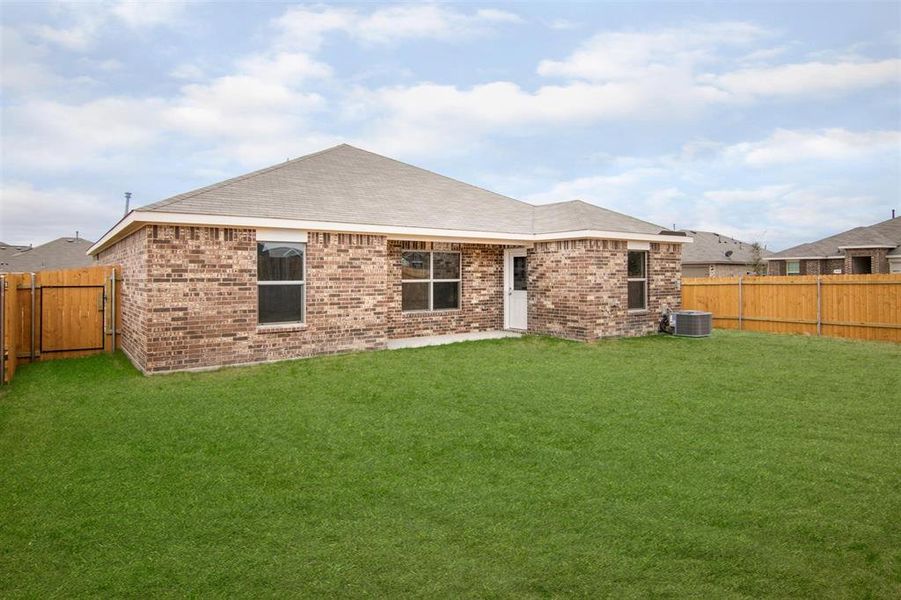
{"x": 279, "y": 234}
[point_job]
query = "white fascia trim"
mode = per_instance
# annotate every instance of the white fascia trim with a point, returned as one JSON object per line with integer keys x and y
{"x": 866, "y": 247}
{"x": 803, "y": 257}
{"x": 394, "y": 232}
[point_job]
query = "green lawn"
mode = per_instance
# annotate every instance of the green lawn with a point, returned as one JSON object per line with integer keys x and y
{"x": 737, "y": 466}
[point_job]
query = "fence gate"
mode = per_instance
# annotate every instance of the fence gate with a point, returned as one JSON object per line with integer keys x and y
{"x": 57, "y": 314}
{"x": 72, "y": 318}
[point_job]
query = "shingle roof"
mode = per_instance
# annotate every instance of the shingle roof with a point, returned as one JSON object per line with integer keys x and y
{"x": 886, "y": 233}
{"x": 576, "y": 214}
{"x": 345, "y": 184}
{"x": 709, "y": 247}
{"x": 62, "y": 253}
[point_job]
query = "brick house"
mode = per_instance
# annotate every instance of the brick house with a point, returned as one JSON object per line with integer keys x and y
{"x": 347, "y": 250}
{"x": 873, "y": 249}
{"x": 715, "y": 255}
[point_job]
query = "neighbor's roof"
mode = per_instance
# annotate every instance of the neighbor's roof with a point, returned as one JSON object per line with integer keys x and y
{"x": 884, "y": 234}
{"x": 711, "y": 248}
{"x": 62, "y": 253}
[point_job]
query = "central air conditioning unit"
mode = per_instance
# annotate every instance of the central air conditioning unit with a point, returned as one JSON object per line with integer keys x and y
{"x": 691, "y": 323}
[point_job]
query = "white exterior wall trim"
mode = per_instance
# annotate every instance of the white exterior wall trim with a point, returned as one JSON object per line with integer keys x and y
{"x": 867, "y": 247}
{"x": 803, "y": 257}
{"x": 137, "y": 218}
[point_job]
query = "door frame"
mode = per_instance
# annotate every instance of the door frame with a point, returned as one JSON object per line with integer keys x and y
{"x": 509, "y": 253}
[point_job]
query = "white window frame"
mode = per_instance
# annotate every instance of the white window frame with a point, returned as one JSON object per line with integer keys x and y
{"x": 301, "y": 282}
{"x": 431, "y": 281}
{"x": 644, "y": 308}
{"x": 788, "y": 269}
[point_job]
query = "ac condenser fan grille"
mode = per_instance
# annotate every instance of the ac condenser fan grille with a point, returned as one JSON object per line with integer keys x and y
{"x": 692, "y": 323}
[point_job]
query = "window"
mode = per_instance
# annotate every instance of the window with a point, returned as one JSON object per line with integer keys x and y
{"x": 638, "y": 280}
{"x": 280, "y": 282}
{"x": 520, "y": 276}
{"x": 861, "y": 264}
{"x": 430, "y": 280}
{"x": 793, "y": 267}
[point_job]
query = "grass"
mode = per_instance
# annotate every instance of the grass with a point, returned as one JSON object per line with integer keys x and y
{"x": 738, "y": 466}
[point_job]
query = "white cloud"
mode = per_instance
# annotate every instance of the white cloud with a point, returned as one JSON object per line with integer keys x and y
{"x": 284, "y": 67}
{"x": 305, "y": 28}
{"x": 788, "y": 146}
{"x": 254, "y": 113}
{"x": 140, "y": 13}
{"x": 48, "y": 134}
{"x": 23, "y": 68}
{"x": 791, "y": 213}
{"x": 405, "y": 119}
{"x": 81, "y": 23}
{"x": 637, "y": 55}
{"x": 187, "y": 71}
{"x": 807, "y": 79}
{"x": 33, "y": 215}
{"x": 738, "y": 196}
{"x": 563, "y": 25}
{"x": 598, "y": 188}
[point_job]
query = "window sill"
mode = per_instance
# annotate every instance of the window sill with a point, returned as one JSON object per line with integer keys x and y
{"x": 439, "y": 311}
{"x": 637, "y": 311}
{"x": 280, "y": 327}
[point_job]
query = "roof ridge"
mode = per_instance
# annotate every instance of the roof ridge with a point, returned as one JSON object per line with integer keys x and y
{"x": 244, "y": 177}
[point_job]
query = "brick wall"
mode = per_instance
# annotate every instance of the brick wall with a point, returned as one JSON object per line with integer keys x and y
{"x": 810, "y": 267}
{"x": 775, "y": 267}
{"x": 131, "y": 254}
{"x": 578, "y": 288}
{"x": 831, "y": 264}
{"x": 189, "y": 295}
{"x": 481, "y": 302}
{"x": 878, "y": 259}
{"x": 201, "y": 295}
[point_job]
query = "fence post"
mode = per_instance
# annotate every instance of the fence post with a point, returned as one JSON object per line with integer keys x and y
{"x": 33, "y": 316}
{"x": 819, "y": 306}
{"x": 739, "y": 302}
{"x": 112, "y": 278}
{"x": 2, "y": 330}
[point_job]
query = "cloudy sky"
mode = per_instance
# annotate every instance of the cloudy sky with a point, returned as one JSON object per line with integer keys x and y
{"x": 771, "y": 122}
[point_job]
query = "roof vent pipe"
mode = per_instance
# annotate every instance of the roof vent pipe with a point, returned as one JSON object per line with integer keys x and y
{"x": 127, "y": 201}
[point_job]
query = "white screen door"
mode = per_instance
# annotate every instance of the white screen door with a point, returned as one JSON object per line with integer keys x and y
{"x": 516, "y": 278}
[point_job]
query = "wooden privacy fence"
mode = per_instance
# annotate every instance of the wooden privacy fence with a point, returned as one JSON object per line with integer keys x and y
{"x": 56, "y": 314}
{"x": 866, "y": 307}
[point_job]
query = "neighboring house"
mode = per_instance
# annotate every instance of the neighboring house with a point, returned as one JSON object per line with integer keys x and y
{"x": 348, "y": 250}
{"x": 873, "y": 249}
{"x": 62, "y": 253}
{"x": 714, "y": 255}
{"x": 8, "y": 250}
